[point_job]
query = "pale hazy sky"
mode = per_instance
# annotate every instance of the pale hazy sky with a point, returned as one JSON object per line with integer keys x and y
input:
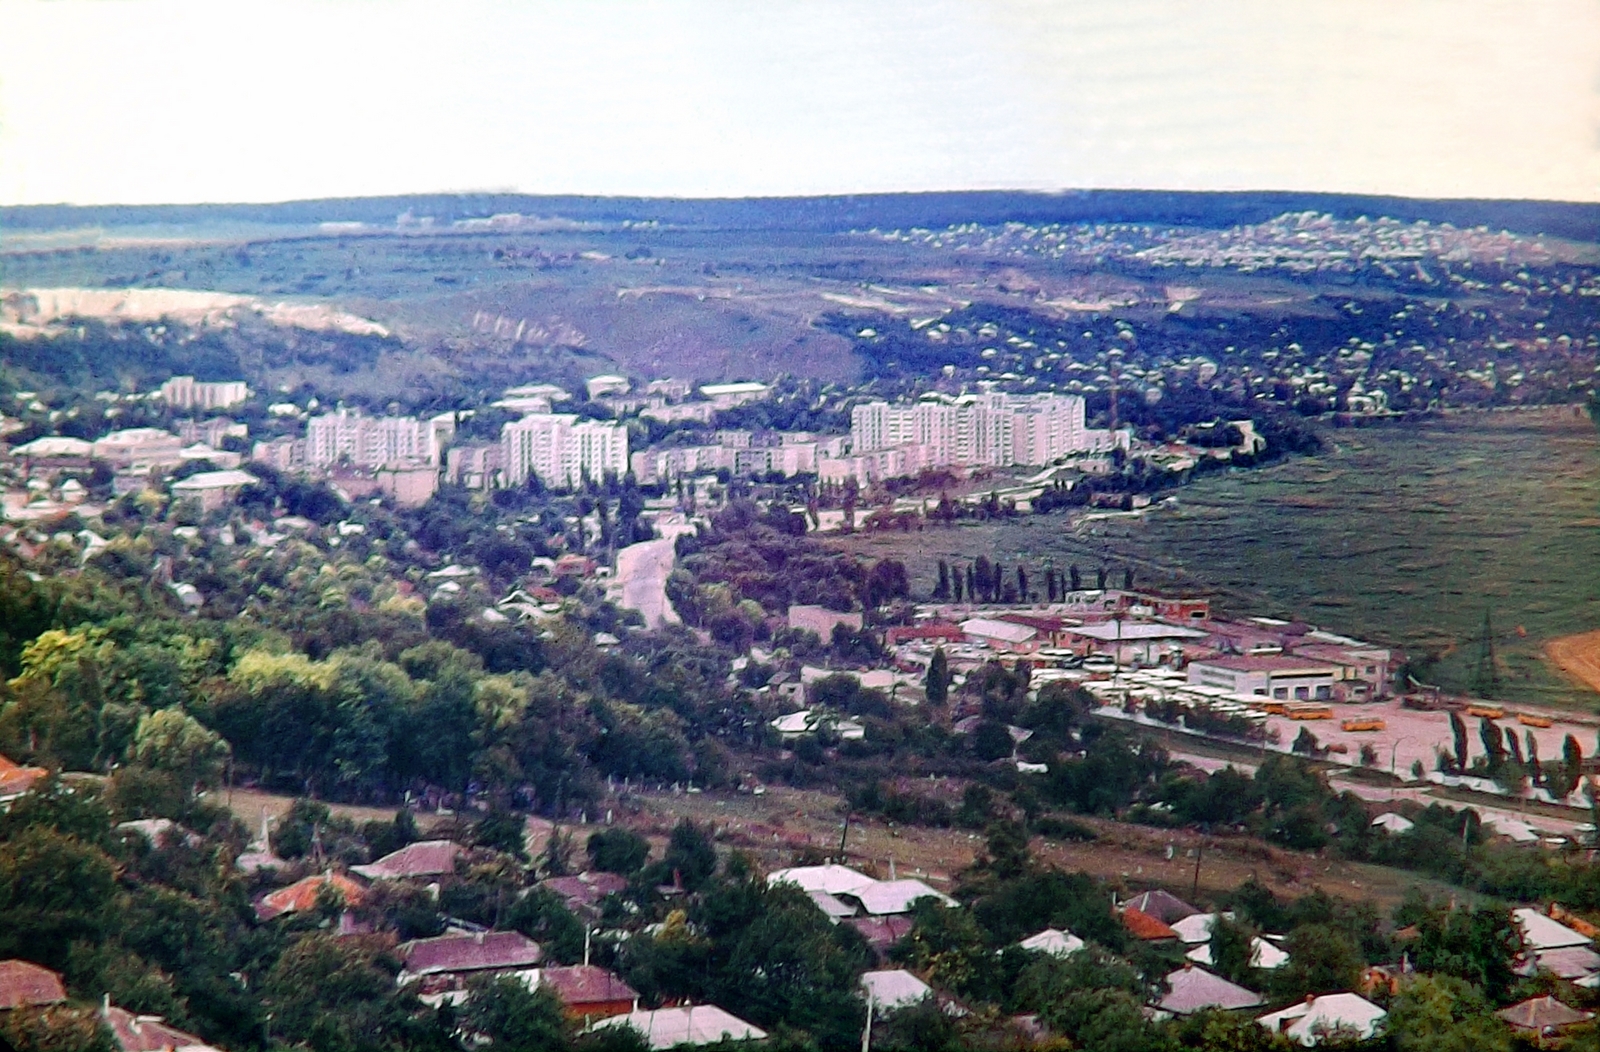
{"x": 137, "y": 101}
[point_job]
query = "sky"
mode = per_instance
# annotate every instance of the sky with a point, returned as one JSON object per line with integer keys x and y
{"x": 148, "y": 101}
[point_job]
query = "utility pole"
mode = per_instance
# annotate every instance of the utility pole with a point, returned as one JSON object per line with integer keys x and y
{"x": 843, "y": 835}
{"x": 1199, "y": 853}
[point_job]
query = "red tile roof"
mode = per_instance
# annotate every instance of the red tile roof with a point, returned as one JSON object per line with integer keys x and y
{"x": 147, "y": 1033}
{"x": 16, "y": 779}
{"x": 23, "y": 983}
{"x": 302, "y": 895}
{"x": 585, "y": 984}
{"x": 470, "y": 952}
{"x": 1162, "y": 905}
{"x": 586, "y": 888}
{"x": 1145, "y": 927}
{"x": 425, "y": 858}
{"x": 881, "y": 932}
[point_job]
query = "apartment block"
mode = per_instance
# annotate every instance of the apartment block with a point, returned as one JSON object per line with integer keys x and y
{"x": 185, "y": 392}
{"x": 562, "y": 451}
{"x": 345, "y": 436}
{"x": 996, "y": 430}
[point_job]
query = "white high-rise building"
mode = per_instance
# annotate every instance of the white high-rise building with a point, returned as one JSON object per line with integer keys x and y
{"x": 562, "y": 451}
{"x": 370, "y": 441}
{"x": 184, "y": 392}
{"x": 998, "y": 430}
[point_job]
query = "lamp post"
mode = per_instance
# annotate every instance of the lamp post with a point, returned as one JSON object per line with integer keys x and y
{"x": 1394, "y": 750}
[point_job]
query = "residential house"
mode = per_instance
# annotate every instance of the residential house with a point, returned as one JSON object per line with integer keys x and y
{"x": 1146, "y": 928}
{"x": 1162, "y": 905}
{"x": 1263, "y": 955}
{"x": 1543, "y": 1016}
{"x": 148, "y": 1033}
{"x": 883, "y": 897}
{"x": 425, "y": 858}
{"x": 811, "y": 721}
{"x": 303, "y": 895}
{"x": 830, "y": 879}
{"x": 881, "y": 933}
{"x": 582, "y": 893}
{"x": 446, "y": 962}
{"x": 896, "y": 988}
{"x": 1054, "y": 942}
{"x": 24, "y": 984}
{"x": 687, "y": 1025}
{"x": 1344, "y": 1016}
{"x": 1191, "y": 989}
{"x": 15, "y": 779}
{"x": 213, "y": 489}
{"x": 587, "y": 992}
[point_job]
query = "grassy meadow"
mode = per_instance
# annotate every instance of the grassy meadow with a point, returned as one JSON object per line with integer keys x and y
{"x": 1404, "y": 534}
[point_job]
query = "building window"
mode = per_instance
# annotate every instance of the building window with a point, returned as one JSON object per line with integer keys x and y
{"x": 1302, "y": 693}
{"x": 1281, "y": 693}
{"x": 1324, "y": 692}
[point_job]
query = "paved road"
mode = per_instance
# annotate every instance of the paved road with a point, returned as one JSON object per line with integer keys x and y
{"x": 642, "y": 570}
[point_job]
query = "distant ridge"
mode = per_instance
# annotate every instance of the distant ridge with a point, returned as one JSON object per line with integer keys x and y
{"x": 848, "y": 211}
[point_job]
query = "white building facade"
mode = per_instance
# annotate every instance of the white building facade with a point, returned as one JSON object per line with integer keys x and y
{"x": 370, "y": 441}
{"x": 184, "y": 392}
{"x": 996, "y": 430}
{"x": 562, "y": 451}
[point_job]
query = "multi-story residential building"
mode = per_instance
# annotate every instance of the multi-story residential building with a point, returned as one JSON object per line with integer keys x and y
{"x": 184, "y": 392}
{"x": 562, "y": 451}
{"x": 990, "y": 429}
{"x": 374, "y": 441}
{"x": 285, "y": 453}
{"x": 211, "y": 431}
{"x": 475, "y": 465}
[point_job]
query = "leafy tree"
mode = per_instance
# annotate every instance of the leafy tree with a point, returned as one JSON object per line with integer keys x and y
{"x": 54, "y": 889}
{"x": 690, "y": 857}
{"x": 1458, "y": 731}
{"x": 173, "y": 741}
{"x": 991, "y": 740}
{"x": 1442, "y": 1013}
{"x": 937, "y": 685}
{"x": 1476, "y": 945}
{"x": 56, "y": 1028}
{"x": 542, "y": 916}
{"x": 503, "y": 830}
{"x": 338, "y": 995}
{"x": 513, "y": 1017}
{"x": 1322, "y": 960}
{"x": 1494, "y": 747}
{"x": 618, "y": 850}
{"x": 1232, "y": 948}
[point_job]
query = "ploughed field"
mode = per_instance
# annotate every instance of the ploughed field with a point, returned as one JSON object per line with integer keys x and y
{"x": 1401, "y": 534}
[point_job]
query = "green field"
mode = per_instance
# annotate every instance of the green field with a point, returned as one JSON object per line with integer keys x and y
{"x": 1400, "y": 534}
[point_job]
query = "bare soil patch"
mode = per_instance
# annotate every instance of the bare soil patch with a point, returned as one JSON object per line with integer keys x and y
{"x": 1578, "y": 656}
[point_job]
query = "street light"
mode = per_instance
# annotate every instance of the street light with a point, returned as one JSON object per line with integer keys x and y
{"x": 1394, "y": 749}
